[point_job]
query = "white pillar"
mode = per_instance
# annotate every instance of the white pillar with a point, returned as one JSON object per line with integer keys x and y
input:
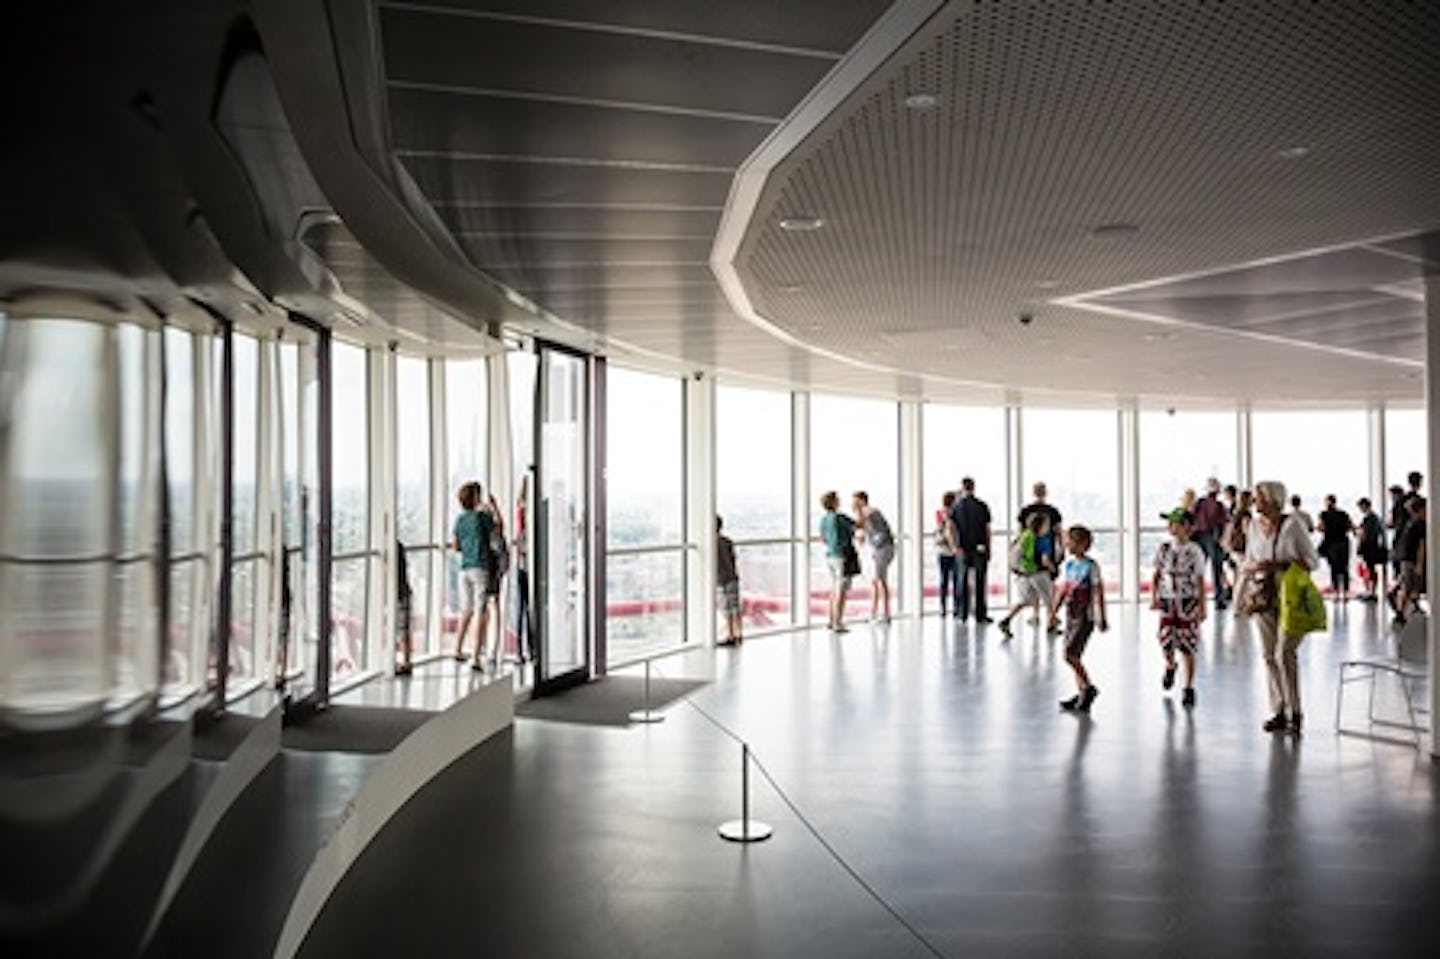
{"x": 700, "y": 509}
{"x": 1432, "y": 470}
{"x": 268, "y": 494}
{"x": 382, "y": 594}
{"x": 1375, "y": 433}
{"x": 1014, "y": 488}
{"x": 440, "y": 507}
{"x": 910, "y": 513}
{"x": 800, "y": 529}
{"x": 1130, "y": 501}
{"x": 1245, "y": 458}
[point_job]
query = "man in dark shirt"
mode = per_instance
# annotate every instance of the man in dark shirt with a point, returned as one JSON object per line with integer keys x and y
{"x": 972, "y": 551}
{"x": 1051, "y": 543}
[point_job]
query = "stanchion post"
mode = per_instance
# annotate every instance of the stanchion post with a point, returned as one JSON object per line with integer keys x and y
{"x": 745, "y": 829}
{"x": 647, "y": 715}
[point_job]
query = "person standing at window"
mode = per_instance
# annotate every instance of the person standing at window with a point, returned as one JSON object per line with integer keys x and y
{"x": 1335, "y": 529}
{"x": 945, "y": 543}
{"x": 972, "y": 526}
{"x": 875, "y": 533}
{"x": 1371, "y": 547}
{"x": 838, "y": 531}
{"x": 471, "y": 539}
{"x": 727, "y": 580}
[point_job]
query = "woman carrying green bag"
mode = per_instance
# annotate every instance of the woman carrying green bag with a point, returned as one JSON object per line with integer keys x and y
{"x": 1277, "y": 542}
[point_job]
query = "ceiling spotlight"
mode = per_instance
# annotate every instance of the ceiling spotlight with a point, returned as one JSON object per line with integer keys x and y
{"x": 921, "y": 101}
{"x": 1293, "y": 153}
{"x": 801, "y": 223}
{"x": 791, "y": 288}
{"x": 1107, "y": 231}
{"x": 1046, "y": 284}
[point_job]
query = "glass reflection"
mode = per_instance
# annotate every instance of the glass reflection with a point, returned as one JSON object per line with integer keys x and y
{"x": 59, "y": 456}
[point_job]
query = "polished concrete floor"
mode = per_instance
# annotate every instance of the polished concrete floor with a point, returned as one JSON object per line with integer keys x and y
{"x": 935, "y": 802}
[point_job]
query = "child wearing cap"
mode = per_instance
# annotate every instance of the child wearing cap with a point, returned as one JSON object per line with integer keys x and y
{"x": 1177, "y": 591}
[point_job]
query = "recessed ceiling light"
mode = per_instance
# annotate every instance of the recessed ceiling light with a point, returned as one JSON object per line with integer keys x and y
{"x": 921, "y": 101}
{"x": 1293, "y": 153}
{"x": 791, "y": 288}
{"x": 1158, "y": 337}
{"x": 1046, "y": 284}
{"x": 801, "y": 223}
{"x": 1107, "y": 231}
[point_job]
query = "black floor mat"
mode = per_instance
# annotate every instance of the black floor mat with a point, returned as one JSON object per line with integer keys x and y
{"x": 606, "y": 702}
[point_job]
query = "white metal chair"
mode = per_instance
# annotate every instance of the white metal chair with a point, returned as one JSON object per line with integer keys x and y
{"x": 1409, "y": 669}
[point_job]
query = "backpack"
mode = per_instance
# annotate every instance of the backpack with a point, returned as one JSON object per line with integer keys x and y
{"x": 1017, "y": 557}
{"x": 498, "y": 559}
{"x": 942, "y": 541}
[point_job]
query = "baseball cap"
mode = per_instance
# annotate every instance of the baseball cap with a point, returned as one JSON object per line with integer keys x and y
{"x": 1178, "y": 515}
{"x": 1397, "y": 488}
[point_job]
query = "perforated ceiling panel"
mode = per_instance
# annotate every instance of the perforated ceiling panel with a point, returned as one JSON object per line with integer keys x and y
{"x": 1074, "y": 148}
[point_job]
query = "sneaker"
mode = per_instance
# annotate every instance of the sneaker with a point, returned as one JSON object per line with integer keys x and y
{"x": 1275, "y": 724}
{"x": 1091, "y": 692}
{"x": 839, "y": 629}
{"x": 1296, "y": 722}
{"x": 1168, "y": 680}
{"x": 1398, "y": 622}
{"x": 1053, "y": 629}
{"x": 983, "y": 619}
{"x": 1005, "y": 628}
{"x": 1071, "y": 704}
{"x": 1187, "y": 698}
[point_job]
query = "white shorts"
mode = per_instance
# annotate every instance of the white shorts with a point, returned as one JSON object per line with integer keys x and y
{"x": 837, "y": 571}
{"x": 472, "y": 588}
{"x": 1036, "y": 588}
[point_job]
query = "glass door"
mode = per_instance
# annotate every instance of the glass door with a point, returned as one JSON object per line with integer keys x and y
{"x": 562, "y": 582}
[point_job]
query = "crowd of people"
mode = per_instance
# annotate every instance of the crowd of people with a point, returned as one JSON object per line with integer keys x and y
{"x": 1241, "y": 541}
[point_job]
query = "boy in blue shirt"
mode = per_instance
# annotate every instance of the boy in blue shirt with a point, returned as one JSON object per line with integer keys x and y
{"x": 1082, "y": 592}
{"x": 471, "y": 538}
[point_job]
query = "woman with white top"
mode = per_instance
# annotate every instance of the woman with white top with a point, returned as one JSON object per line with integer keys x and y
{"x": 1275, "y": 541}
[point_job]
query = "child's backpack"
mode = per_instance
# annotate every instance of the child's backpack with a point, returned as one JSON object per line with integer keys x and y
{"x": 1017, "y": 557}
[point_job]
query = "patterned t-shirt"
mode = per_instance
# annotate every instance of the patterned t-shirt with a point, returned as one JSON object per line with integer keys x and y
{"x": 1082, "y": 576}
{"x": 1182, "y": 570}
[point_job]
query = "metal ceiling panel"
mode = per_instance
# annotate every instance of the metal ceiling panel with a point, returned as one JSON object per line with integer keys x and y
{"x": 488, "y": 127}
{"x": 462, "y": 183}
{"x": 578, "y": 222}
{"x": 548, "y": 61}
{"x": 824, "y": 25}
{"x": 521, "y": 251}
{"x": 1075, "y": 147}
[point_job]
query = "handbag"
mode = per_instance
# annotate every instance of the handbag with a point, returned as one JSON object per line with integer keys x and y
{"x": 1259, "y": 588}
{"x": 850, "y": 561}
{"x": 1257, "y": 592}
{"x": 1302, "y": 608}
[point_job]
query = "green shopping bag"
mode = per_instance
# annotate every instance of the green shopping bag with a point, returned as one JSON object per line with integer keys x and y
{"x": 1302, "y": 608}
